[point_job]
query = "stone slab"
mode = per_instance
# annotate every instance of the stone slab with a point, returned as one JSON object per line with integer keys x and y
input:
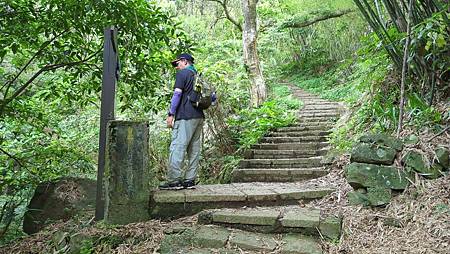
{"x": 300, "y": 244}
{"x": 169, "y": 196}
{"x": 211, "y": 236}
{"x": 301, "y": 218}
{"x": 249, "y": 217}
{"x": 252, "y": 241}
{"x": 330, "y": 226}
{"x": 297, "y": 194}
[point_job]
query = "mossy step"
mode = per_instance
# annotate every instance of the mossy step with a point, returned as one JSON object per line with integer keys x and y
{"x": 276, "y": 174}
{"x": 204, "y": 238}
{"x": 320, "y": 119}
{"x": 304, "y": 139}
{"x": 283, "y": 154}
{"x": 291, "y": 146}
{"x": 310, "y": 162}
{"x": 290, "y": 219}
{"x": 318, "y": 114}
{"x": 171, "y": 204}
{"x": 320, "y": 122}
{"x": 302, "y": 133}
{"x": 304, "y": 128}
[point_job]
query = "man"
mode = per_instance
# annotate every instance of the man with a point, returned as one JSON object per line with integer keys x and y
{"x": 186, "y": 122}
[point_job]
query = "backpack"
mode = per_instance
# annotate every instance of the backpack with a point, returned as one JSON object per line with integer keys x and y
{"x": 200, "y": 96}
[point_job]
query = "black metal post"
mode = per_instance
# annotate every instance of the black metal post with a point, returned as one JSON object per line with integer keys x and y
{"x": 110, "y": 76}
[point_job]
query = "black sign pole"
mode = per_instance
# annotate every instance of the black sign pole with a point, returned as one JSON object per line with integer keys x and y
{"x": 110, "y": 75}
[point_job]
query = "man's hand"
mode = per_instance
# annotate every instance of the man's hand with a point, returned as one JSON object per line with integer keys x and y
{"x": 169, "y": 122}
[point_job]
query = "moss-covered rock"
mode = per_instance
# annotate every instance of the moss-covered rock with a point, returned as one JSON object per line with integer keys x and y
{"x": 415, "y": 161}
{"x": 368, "y": 175}
{"x": 358, "y": 198}
{"x": 378, "y": 196}
{"x": 382, "y": 139}
{"x": 372, "y": 153}
{"x": 442, "y": 158}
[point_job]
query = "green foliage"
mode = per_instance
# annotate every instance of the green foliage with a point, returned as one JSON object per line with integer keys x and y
{"x": 50, "y": 78}
{"x": 251, "y": 124}
{"x": 87, "y": 247}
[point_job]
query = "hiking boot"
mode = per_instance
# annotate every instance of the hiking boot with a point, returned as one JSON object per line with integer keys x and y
{"x": 189, "y": 184}
{"x": 171, "y": 186}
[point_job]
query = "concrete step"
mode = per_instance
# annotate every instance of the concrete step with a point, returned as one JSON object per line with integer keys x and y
{"x": 276, "y": 174}
{"x": 200, "y": 239}
{"x": 304, "y": 128}
{"x": 288, "y": 219}
{"x": 301, "y": 133}
{"x": 310, "y": 162}
{"x": 283, "y": 154}
{"x": 301, "y": 139}
{"x": 291, "y": 146}
{"x": 319, "y": 114}
{"x": 302, "y": 119}
{"x": 172, "y": 204}
{"x": 320, "y": 122}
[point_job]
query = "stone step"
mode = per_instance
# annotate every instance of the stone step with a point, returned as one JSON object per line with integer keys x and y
{"x": 173, "y": 204}
{"x": 320, "y": 119}
{"x": 302, "y": 139}
{"x": 319, "y": 122}
{"x": 291, "y": 146}
{"x": 216, "y": 239}
{"x": 301, "y": 133}
{"x": 276, "y": 174}
{"x": 319, "y": 114}
{"x": 304, "y": 128}
{"x": 310, "y": 162}
{"x": 287, "y": 219}
{"x": 283, "y": 154}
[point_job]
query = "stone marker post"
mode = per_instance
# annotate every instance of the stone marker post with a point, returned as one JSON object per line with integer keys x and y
{"x": 126, "y": 172}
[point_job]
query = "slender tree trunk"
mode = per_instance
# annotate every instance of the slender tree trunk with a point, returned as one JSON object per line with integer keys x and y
{"x": 404, "y": 68}
{"x": 251, "y": 59}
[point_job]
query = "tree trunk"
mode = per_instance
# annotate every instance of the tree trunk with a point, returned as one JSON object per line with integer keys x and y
{"x": 251, "y": 59}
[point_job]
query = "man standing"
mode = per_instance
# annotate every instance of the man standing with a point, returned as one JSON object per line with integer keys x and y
{"x": 186, "y": 122}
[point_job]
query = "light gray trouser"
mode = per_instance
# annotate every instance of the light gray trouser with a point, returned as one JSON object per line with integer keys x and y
{"x": 186, "y": 137}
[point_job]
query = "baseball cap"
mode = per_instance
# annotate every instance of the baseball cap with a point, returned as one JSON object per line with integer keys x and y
{"x": 183, "y": 56}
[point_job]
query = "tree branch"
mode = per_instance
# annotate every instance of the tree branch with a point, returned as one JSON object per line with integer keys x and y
{"x": 44, "y": 69}
{"x": 296, "y": 23}
{"x": 11, "y": 156}
{"x": 227, "y": 13}
{"x": 8, "y": 83}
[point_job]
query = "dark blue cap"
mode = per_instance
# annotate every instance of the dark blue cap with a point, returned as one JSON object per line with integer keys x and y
{"x": 183, "y": 56}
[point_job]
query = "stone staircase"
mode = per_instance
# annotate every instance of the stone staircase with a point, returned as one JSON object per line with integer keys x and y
{"x": 259, "y": 211}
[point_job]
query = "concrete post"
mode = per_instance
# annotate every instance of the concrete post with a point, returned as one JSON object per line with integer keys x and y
{"x": 126, "y": 172}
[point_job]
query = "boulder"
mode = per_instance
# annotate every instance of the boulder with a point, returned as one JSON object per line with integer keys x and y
{"x": 382, "y": 140}
{"x": 372, "y": 153}
{"x": 59, "y": 200}
{"x": 369, "y": 175}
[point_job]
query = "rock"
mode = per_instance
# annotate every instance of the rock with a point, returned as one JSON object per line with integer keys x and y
{"x": 368, "y": 175}
{"x": 371, "y": 153}
{"x": 59, "y": 200}
{"x": 378, "y": 196}
{"x": 330, "y": 227}
{"x": 415, "y": 161}
{"x": 442, "y": 157}
{"x": 411, "y": 139}
{"x": 358, "y": 198}
{"x": 382, "y": 140}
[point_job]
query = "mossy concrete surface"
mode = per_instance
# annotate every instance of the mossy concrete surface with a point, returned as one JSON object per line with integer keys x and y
{"x": 126, "y": 172}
